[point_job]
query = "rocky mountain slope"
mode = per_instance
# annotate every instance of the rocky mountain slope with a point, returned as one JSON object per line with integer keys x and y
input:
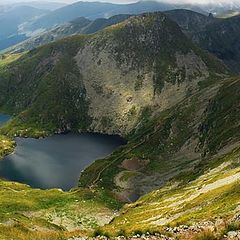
{"x": 178, "y": 107}
{"x": 78, "y": 66}
{"x": 218, "y": 36}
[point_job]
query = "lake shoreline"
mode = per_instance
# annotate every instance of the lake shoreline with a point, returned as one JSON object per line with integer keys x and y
{"x": 14, "y": 148}
{"x": 105, "y": 147}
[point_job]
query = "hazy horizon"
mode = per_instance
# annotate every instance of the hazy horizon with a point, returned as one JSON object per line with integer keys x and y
{"x": 3, "y": 2}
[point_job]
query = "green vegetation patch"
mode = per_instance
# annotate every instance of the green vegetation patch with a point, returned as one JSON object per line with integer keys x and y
{"x": 7, "y": 146}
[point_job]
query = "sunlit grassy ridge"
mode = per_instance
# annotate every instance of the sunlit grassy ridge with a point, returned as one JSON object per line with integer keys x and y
{"x": 8, "y": 58}
{"x": 28, "y": 213}
{"x": 7, "y": 146}
{"x": 214, "y": 195}
{"x": 185, "y": 151}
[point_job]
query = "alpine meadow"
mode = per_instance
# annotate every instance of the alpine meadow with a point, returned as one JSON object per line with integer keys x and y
{"x": 119, "y": 121}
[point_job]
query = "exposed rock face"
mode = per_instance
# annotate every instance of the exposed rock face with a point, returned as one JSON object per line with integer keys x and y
{"x": 104, "y": 81}
{"x": 218, "y": 36}
{"x": 107, "y": 81}
{"x": 118, "y": 94}
{"x": 120, "y": 85}
{"x": 115, "y": 103}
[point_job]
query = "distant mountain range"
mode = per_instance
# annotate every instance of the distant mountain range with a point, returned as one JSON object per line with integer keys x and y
{"x": 28, "y": 21}
{"x": 94, "y": 10}
{"x": 10, "y": 21}
{"x": 148, "y": 80}
{"x": 218, "y": 36}
{"x": 36, "y": 4}
{"x": 80, "y": 25}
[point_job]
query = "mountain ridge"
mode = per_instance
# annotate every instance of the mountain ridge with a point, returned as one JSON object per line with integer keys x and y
{"x": 205, "y": 31}
{"x": 115, "y": 33}
{"x": 77, "y": 26}
{"x": 176, "y": 104}
{"x": 218, "y": 36}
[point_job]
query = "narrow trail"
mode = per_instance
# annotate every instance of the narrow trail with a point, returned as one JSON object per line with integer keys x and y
{"x": 115, "y": 160}
{"x": 146, "y": 138}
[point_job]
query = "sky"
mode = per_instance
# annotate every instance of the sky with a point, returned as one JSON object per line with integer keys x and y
{"x": 65, "y": 1}
{"x": 126, "y": 1}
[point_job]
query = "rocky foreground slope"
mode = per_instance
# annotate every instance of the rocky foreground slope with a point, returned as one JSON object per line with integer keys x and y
{"x": 178, "y": 107}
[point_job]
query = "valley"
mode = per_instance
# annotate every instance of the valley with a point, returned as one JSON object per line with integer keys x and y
{"x": 151, "y": 79}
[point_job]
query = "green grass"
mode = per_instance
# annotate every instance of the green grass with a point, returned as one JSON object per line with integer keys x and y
{"x": 24, "y": 209}
{"x": 220, "y": 202}
{"x": 6, "y": 59}
{"x": 206, "y": 235}
{"x": 47, "y": 94}
{"x": 44, "y": 92}
{"x": 7, "y": 146}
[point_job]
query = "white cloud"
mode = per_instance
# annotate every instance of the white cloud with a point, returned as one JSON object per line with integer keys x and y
{"x": 204, "y": 1}
{"x": 130, "y": 1}
{"x": 169, "y": 1}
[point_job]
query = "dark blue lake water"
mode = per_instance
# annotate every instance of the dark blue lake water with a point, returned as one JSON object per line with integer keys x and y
{"x": 56, "y": 161}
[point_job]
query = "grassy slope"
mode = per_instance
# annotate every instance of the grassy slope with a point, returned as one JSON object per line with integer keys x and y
{"x": 8, "y": 58}
{"x": 211, "y": 120}
{"x": 158, "y": 138}
{"x": 7, "y": 145}
{"x": 160, "y": 141}
{"x": 37, "y": 82}
{"x": 203, "y": 199}
{"x": 51, "y": 214}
